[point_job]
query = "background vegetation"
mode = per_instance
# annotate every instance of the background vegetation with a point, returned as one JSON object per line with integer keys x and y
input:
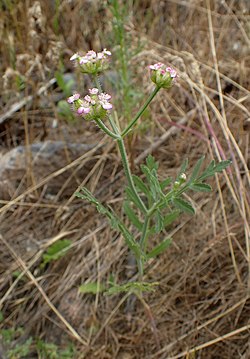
{"x": 52, "y": 244}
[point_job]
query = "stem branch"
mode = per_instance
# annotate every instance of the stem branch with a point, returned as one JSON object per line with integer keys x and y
{"x": 140, "y": 112}
{"x": 106, "y": 129}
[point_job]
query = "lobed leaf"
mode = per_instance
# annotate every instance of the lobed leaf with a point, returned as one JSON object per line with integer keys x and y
{"x": 132, "y": 216}
{"x": 201, "y": 187}
{"x": 56, "y": 251}
{"x": 183, "y": 205}
{"x": 171, "y": 217}
{"x": 196, "y": 169}
{"x": 159, "y": 221}
{"x": 213, "y": 168}
{"x": 151, "y": 163}
{"x": 165, "y": 183}
{"x": 91, "y": 288}
{"x": 115, "y": 222}
{"x": 133, "y": 198}
{"x": 140, "y": 185}
{"x": 160, "y": 248}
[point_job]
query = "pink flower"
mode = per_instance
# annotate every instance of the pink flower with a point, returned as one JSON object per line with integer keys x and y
{"x": 93, "y": 91}
{"x": 104, "y": 97}
{"x": 104, "y": 101}
{"x": 74, "y": 98}
{"x": 156, "y": 66}
{"x": 91, "y": 54}
{"x": 172, "y": 72}
{"x": 106, "y": 52}
{"x": 106, "y": 105}
{"x": 83, "y": 110}
{"x": 92, "y": 62}
{"x": 163, "y": 76}
{"x": 83, "y": 60}
{"x": 100, "y": 55}
{"x": 87, "y": 98}
{"x": 93, "y": 106}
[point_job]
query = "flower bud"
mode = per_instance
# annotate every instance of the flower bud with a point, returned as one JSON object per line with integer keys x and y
{"x": 182, "y": 178}
{"x": 163, "y": 76}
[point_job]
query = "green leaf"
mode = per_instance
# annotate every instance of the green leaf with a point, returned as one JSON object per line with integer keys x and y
{"x": 20, "y": 350}
{"x": 160, "y": 248}
{"x": 201, "y": 187}
{"x": 183, "y": 168}
{"x": 65, "y": 86}
{"x": 115, "y": 222}
{"x": 87, "y": 195}
{"x": 165, "y": 183}
{"x": 210, "y": 167}
{"x": 213, "y": 168}
{"x": 131, "y": 243}
{"x": 132, "y": 216}
{"x": 222, "y": 165}
{"x": 60, "y": 80}
{"x": 171, "y": 217}
{"x": 56, "y": 251}
{"x": 154, "y": 185}
{"x": 196, "y": 169}
{"x": 91, "y": 288}
{"x": 140, "y": 185}
{"x": 183, "y": 205}
{"x": 159, "y": 222}
{"x": 151, "y": 163}
{"x": 133, "y": 198}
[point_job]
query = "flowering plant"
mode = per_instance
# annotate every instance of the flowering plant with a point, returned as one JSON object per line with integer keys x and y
{"x": 150, "y": 205}
{"x": 93, "y": 107}
{"x": 92, "y": 63}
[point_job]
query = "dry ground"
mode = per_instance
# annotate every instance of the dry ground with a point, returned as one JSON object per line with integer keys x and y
{"x": 201, "y": 308}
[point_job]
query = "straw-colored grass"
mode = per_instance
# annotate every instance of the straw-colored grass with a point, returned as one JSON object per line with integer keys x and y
{"x": 201, "y": 308}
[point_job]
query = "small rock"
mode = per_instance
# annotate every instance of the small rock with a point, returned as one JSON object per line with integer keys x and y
{"x": 43, "y": 158}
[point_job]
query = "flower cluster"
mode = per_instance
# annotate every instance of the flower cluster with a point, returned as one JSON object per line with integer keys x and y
{"x": 92, "y": 63}
{"x": 163, "y": 76}
{"x": 94, "y": 106}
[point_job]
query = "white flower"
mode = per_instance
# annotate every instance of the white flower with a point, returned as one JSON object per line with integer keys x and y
{"x": 74, "y": 57}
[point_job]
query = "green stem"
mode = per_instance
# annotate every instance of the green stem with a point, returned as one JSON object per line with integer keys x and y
{"x": 99, "y": 86}
{"x": 106, "y": 129}
{"x": 129, "y": 175}
{"x": 140, "y": 269}
{"x": 140, "y": 112}
{"x": 144, "y": 232}
{"x": 143, "y": 242}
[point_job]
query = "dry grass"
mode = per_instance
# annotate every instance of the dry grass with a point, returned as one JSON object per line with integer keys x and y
{"x": 201, "y": 308}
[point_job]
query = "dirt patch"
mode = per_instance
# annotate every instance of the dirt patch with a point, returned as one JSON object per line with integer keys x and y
{"x": 201, "y": 307}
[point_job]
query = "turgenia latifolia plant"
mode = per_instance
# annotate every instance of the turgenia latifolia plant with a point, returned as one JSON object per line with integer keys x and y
{"x": 150, "y": 204}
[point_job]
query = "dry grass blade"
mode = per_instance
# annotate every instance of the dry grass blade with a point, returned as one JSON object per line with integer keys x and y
{"x": 44, "y": 295}
{"x": 202, "y": 302}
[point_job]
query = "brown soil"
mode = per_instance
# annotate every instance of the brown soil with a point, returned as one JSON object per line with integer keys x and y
{"x": 201, "y": 308}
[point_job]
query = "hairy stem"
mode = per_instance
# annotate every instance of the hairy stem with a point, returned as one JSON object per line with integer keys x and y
{"x": 106, "y": 129}
{"x": 129, "y": 175}
{"x": 140, "y": 112}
